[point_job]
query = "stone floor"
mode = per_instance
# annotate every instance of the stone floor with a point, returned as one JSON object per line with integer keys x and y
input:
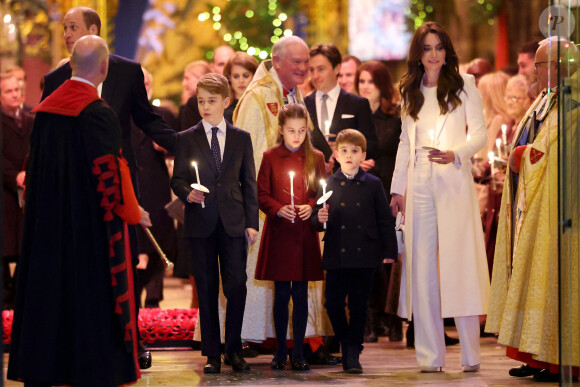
{"x": 384, "y": 364}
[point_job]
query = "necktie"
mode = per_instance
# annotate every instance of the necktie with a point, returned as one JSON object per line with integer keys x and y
{"x": 324, "y": 114}
{"x": 215, "y": 149}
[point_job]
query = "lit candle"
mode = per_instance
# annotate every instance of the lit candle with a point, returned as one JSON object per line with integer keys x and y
{"x": 327, "y": 130}
{"x": 432, "y": 137}
{"x": 503, "y": 134}
{"x": 491, "y": 160}
{"x": 292, "y": 191}
{"x": 323, "y": 184}
{"x": 498, "y": 144}
{"x": 197, "y": 177}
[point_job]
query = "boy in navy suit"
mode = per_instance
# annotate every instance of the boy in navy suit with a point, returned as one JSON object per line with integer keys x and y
{"x": 360, "y": 235}
{"x": 219, "y": 224}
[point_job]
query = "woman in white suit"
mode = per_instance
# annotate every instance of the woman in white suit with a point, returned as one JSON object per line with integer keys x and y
{"x": 445, "y": 266}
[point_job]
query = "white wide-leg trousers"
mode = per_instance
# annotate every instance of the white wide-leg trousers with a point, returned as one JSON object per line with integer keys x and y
{"x": 429, "y": 330}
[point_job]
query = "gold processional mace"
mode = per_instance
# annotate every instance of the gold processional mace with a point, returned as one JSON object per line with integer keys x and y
{"x": 168, "y": 264}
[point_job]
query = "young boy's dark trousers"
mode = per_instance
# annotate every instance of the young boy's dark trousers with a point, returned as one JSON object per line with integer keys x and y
{"x": 356, "y": 285}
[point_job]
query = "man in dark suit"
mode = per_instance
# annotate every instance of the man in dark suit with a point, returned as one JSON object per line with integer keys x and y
{"x": 124, "y": 91}
{"x": 16, "y": 129}
{"x": 333, "y": 109}
{"x": 217, "y": 225}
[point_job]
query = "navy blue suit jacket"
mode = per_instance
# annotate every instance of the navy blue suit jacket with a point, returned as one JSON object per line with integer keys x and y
{"x": 233, "y": 193}
{"x": 360, "y": 231}
{"x": 361, "y": 120}
{"x": 124, "y": 91}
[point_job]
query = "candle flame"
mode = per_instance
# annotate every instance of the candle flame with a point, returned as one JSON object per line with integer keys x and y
{"x": 193, "y": 164}
{"x": 498, "y": 142}
{"x": 491, "y": 157}
{"x": 468, "y": 137}
{"x": 323, "y": 182}
{"x": 503, "y": 128}
{"x": 292, "y": 175}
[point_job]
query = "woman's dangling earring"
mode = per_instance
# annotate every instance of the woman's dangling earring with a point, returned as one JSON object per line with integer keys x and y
{"x": 419, "y": 63}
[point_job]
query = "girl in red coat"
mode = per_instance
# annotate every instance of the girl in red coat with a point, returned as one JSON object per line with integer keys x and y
{"x": 290, "y": 249}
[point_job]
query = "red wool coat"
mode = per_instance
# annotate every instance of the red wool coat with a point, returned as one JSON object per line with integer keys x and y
{"x": 288, "y": 251}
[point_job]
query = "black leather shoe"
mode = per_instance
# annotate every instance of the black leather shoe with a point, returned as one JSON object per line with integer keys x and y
{"x": 523, "y": 371}
{"x": 278, "y": 363}
{"x": 248, "y": 351}
{"x": 321, "y": 357}
{"x": 143, "y": 356}
{"x": 300, "y": 364}
{"x": 450, "y": 341}
{"x": 544, "y": 376}
{"x": 213, "y": 365}
{"x": 238, "y": 363}
{"x": 353, "y": 365}
{"x": 372, "y": 337}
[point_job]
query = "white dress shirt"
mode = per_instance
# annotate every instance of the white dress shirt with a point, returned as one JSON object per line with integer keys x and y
{"x": 330, "y": 105}
{"x": 221, "y": 134}
{"x": 99, "y": 88}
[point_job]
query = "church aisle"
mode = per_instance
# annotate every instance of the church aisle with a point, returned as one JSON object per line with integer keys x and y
{"x": 384, "y": 363}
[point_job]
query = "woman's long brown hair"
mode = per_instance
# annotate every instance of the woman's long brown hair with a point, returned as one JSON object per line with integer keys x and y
{"x": 449, "y": 84}
{"x": 382, "y": 80}
{"x": 294, "y": 110}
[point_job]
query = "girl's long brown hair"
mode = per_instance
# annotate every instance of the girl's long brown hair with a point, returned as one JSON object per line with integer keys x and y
{"x": 449, "y": 84}
{"x": 294, "y": 110}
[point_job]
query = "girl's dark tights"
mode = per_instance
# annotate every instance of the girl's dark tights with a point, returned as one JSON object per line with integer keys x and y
{"x": 298, "y": 290}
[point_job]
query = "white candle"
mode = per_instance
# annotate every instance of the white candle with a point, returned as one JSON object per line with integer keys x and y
{"x": 432, "y": 137}
{"x": 503, "y": 134}
{"x": 292, "y": 191}
{"x": 197, "y": 177}
{"x": 327, "y": 129}
{"x": 323, "y": 184}
{"x": 498, "y": 144}
{"x": 491, "y": 160}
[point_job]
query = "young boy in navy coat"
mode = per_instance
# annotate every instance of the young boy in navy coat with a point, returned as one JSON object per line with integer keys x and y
{"x": 221, "y": 222}
{"x": 360, "y": 234}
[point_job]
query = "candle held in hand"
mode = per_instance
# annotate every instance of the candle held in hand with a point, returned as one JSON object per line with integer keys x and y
{"x": 194, "y": 164}
{"x": 292, "y": 191}
{"x": 323, "y": 184}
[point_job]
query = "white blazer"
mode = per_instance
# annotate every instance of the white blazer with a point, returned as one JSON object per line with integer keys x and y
{"x": 464, "y": 277}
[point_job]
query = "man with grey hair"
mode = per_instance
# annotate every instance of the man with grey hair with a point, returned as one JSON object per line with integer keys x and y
{"x": 74, "y": 321}
{"x": 525, "y": 282}
{"x": 274, "y": 85}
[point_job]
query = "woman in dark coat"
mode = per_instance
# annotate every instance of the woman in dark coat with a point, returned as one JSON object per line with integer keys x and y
{"x": 373, "y": 82}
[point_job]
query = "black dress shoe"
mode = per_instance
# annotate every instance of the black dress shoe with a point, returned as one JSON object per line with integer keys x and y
{"x": 524, "y": 371}
{"x": 238, "y": 363}
{"x": 143, "y": 356}
{"x": 544, "y": 376}
{"x": 321, "y": 357}
{"x": 278, "y": 363}
{"x": 213, "y": 365}
{"x": 248, "y": 351}
{"x": 450, "y": 341}
{"x": 300, "y": 364}
{"x": 372, "y": 337}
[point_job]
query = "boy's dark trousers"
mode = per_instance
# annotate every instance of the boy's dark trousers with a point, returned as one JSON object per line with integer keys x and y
{"x": 356, "y": 285}
{"x": 206, "y": 267}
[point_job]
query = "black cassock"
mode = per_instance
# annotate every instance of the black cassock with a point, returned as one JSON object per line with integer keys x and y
{"x": 72, "y": 319}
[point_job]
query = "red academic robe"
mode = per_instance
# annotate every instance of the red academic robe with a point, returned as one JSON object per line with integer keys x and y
{"x": 74, "y": 314}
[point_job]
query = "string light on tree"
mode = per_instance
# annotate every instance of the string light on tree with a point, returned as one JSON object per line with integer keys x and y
{"x": 266, "y": 20}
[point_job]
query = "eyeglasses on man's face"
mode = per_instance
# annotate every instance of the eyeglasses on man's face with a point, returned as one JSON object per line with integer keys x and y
{"x": 537, "y": 64}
